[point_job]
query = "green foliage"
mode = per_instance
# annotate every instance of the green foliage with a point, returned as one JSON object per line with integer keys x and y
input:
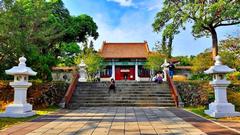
{"x": 200, "y": 76}
{"x": 184, "y": 60}
{"x": 91, "y": 58}
{"x": 206, "y": 16}
{"x": 165, "y": 47}
{"x": 154, "y": 61}
{"x": 235, "y": 76}
{"x": 199, "y": 111}
{"x": 43, "y": 31}
{"x": 69, "y": 52}
{"x": 202, "y": 62}
{"x": 230, "y": 52}
{"x": 94, "y": 64}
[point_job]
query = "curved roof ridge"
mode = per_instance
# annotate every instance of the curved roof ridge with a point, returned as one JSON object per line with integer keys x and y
{"x": 124, "y": 49}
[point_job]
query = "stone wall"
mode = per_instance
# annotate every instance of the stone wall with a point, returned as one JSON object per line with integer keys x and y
{"x": 40, "y": 95}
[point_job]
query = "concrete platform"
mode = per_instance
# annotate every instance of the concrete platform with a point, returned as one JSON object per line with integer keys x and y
{"x": 119, "y": 120}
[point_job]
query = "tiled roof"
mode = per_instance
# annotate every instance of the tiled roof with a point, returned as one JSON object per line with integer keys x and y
{"x": 64, "y": 68}
{"x": 124, "y": 50}
{"x": 184, "y": 67}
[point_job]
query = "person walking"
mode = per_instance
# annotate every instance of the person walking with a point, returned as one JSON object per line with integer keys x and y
{"x": 171, "y": 68}
{"x": 112, "y": 86}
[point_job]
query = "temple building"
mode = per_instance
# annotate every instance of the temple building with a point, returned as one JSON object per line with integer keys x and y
{"x": 124, "y": 61}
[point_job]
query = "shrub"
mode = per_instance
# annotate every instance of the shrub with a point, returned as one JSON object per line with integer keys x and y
{"x": 200, "y": 76}
{"x": 235, "y": 76}
{"x": 199, "y": 93}
{"x": 40, "y": 95}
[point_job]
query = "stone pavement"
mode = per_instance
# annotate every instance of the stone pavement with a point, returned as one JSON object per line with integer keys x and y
{"x": 120, "y": 120}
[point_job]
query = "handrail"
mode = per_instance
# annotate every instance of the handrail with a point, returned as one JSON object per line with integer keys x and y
{"x": 70, "y": 90}
{"x": 173, "y": 90}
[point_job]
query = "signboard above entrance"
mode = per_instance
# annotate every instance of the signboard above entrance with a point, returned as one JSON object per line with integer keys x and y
{"x": 117, "y": 63}
{"x": 124, "y": 70}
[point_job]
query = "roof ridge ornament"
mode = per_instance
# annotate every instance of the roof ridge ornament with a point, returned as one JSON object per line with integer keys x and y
{"x": 22, "y": 61}
{"x": 218, "y": 60}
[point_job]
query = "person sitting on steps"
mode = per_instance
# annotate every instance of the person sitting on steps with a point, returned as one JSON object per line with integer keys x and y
{"x": 158, "y": 78}
{"x": 112, "y": 86}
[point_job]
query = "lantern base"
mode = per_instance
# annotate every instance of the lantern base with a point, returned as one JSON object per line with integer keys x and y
{"x": 218, "y": 110}
{"x": 82, "y": 80}
{"x": 18, "y": 110}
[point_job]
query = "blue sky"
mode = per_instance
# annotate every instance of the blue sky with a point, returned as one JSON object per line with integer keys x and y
{"x": 131, "y": 20}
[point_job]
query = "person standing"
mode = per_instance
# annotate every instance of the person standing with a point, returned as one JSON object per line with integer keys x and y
{"x": 171, "y": 68}
{"x": 112, "y": 86}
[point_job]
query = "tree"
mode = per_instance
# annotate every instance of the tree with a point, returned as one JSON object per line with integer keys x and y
{"x": 229, "y": 49}
{"x": 165, "y": 47}
{"x": 94, "y": 64}
{"x": 202, "y": 62}
{"x": 154, "y": 61}
{"x": 184, "y": 60}
{"x": 69, "y": 52}
{"x": 43, "y": 31}
{"x": 206, "y": 16}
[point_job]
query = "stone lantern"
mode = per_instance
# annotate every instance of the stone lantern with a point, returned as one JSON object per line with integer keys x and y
{"x": 20, "y": 107}
{"x": 82, "y": 72}
{"x": 165, "y": 69}
{"x": 220, "y": 107}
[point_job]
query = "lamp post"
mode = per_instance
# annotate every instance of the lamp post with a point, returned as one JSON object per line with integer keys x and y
{"x": 220, "y": 107}
{"x": 165, "y": 69}
{"x": 20, "y": 107}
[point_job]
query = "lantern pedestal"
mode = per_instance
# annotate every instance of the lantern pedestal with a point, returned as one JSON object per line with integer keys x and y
{"x": 82, "y": 72}
{"x": 20, "y": 107}
{"x": 165, "y": 69}
{"x": 220, "y": 107}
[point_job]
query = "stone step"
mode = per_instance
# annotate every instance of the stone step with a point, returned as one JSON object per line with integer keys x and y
{"x": 123, "y": 84}
{"x": 124, "y": 88}
{"x": 128, "y": 95}
{"x": 123, "y": 93}
{"x": 122, "y": 98}
{"x": 77, "y": 105}
{"x": 122, "y": 101}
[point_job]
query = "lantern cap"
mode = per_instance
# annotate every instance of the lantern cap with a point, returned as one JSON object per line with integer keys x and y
{"x": 218, "y": 68}
{"x": 82, "y": 64}
{"x": 165, "y": 64}
{"x": 21, "y": 69}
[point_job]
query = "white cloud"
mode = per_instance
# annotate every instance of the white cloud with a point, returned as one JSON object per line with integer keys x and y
{"x": 132, "y": 27}
{"x": 126, "y": 3}
{"x": 150, "y": 5}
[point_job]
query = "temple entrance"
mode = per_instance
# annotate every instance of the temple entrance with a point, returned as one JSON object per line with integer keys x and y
{"x": 125, "y": 73}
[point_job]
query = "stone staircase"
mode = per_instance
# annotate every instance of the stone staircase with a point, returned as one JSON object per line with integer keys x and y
{"x": 129, "y": 93}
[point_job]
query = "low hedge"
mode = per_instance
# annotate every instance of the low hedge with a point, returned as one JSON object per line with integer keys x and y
{"x": 200, "y": 93}
{"x": 40, "y": 95}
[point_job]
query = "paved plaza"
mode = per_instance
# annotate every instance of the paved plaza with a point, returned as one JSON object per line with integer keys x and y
{"x": 119, "y": 121}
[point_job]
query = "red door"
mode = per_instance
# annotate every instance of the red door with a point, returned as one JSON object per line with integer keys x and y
{"x": 117, "y": 73}
{"x": 125, "y": 72}
{"x": 132, "y": 73}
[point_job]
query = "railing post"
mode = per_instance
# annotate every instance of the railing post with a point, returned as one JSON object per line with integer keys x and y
{"x": 70, "y": 90}
{"x": 173, "y": 89}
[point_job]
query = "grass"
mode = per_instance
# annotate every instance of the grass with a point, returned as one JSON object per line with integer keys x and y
{"x": 6, "y": 122}
{"x": 200, "y": 111}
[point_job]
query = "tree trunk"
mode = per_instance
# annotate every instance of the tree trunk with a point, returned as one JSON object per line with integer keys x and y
{"x": 214, "y": 43}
